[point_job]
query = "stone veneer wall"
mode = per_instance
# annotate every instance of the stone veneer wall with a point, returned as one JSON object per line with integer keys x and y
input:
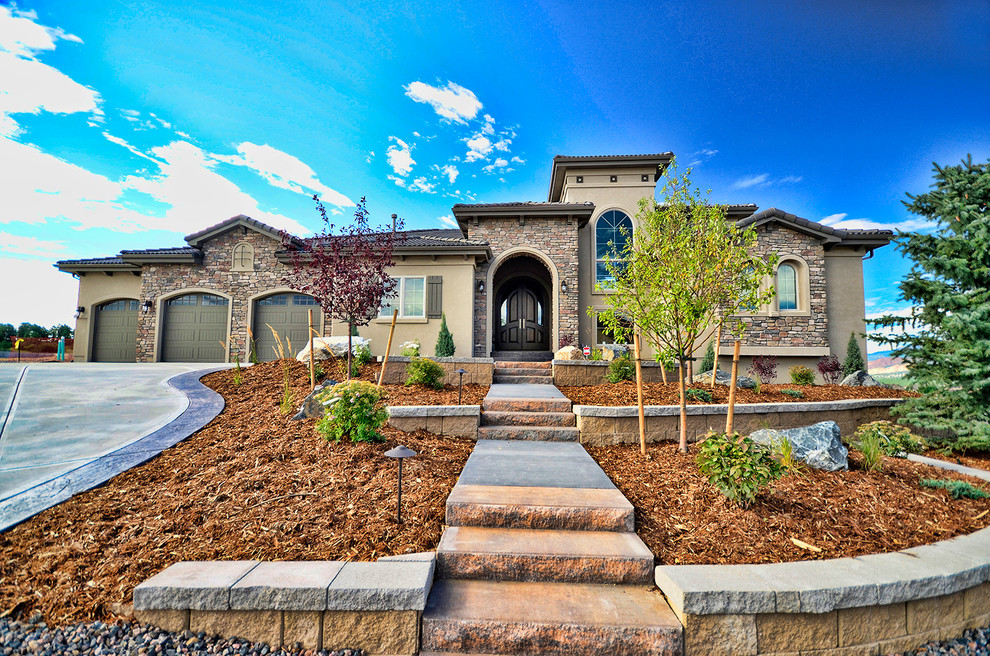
{"x": 600, "y": 425}
{"x": 790, "y": 329}
{"x": 451, "y": 420}
{"x": 216, "y": 274}
{"x": 557, "y": 240}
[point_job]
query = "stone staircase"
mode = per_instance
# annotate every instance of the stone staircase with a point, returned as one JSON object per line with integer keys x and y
{"x": 510, "y": 371}
{"x": 540, "y": 557}
{"x": 527, "y": 411}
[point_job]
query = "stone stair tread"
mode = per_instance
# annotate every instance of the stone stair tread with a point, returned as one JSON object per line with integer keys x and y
{"x": 542, "y": 542}
{"x": 558, "y": 508}
{"x": 543, "y": 433}
{"x": 522, "y": 380}
{"x": 522, "y": 364}
{"x": 550, "y": 497}
{"x": 509, "y": 418}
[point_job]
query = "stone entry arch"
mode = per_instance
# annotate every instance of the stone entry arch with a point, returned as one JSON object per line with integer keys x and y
{"x": 522, "y": 316}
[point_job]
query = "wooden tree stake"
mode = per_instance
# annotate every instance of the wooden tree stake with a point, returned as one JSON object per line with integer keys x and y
{"x": 639, "y": 395}
{"x": 312, "y": 364}
{"x": 732, "y": 388}
{"x": 388, "y": 347}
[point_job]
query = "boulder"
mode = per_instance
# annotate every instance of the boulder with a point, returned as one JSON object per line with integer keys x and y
{"x": 327, "y": 348}
{"x": 569, "y": 353}
{"x": 860, "y": 378}
{"x": 724, "y": 378}
{"x": 311, "y": 405}
{"x": 614, "y": 351}
{"x": 820, "y": 445}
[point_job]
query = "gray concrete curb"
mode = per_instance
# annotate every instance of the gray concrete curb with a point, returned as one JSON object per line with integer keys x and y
{"x": 740, "y": 408}
{"x": 951, "y": 466}
{"x": 204, "y": 405}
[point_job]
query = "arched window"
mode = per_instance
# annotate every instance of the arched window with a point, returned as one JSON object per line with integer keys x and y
{"x": 613, "y": 231}
{"x": 787, "y": 294}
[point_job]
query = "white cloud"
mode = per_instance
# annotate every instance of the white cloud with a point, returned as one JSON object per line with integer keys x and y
{"x": 399, "y": 182}
{"x": 448, "y": 221}
{"x": 518, "y": 160}
{"x": 399, "y": 156}
{"x": 121, "y": 142}
{"x": 833, "y": 218}
{"x": 370, "y": 157}
{"x": 451, "y": 172}
{"x": 21, "y": 36}
{"x": 19, "y": 246}
{"x": 910, "y": 225}
{"x": 752, "y": 181}
{"x": 29, "y": 87}
{"x": 489, "y": 126}
{"x": 503, "y": 145}
{"x": 479, "y": 147}
{"x": 452, "y": 103}
{"x": 499, "y": 164}
{"x": 20, "y": 302}
{"x": 285, "y": 171}
{"x": 421, "y": 185}
{"x": 789, "y": 179}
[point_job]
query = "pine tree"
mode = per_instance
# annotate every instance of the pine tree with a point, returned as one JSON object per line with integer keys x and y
{"x": 445, "y": 341}
{"x": 708, "y": 362}
{"x": 854, "y": 357}
{"x": 946, "y": 340}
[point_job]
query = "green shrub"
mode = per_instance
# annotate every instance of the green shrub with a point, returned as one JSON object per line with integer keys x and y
{"x": 854, "y": 357}
{"x": 871, "y": 446}
{"x": 958, "y": 489}
{"x": 423, "y": 371}
{"x": 797, "y": 394}
{"x": 410, "y": 349}
{"x": 801, "y": 375}
{"x": 445, "y": 341}
{"x": 698, "y": 395}
{"x": 708, "y": 362}
{"x": 737, "y": 466}
{"x": 783, "y": 453}
{"x": 362, "y": 355}
{"x": 596, "y": 355}
{"x": 894, "y": 440}
{"x": 620, "y": 369}
{"x": 354, "y": 410}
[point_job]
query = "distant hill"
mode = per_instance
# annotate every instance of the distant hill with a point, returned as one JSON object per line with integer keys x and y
{"x": 883, "y": 363}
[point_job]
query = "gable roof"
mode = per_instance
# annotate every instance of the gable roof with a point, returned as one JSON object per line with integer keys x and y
{"x": 198, "y": 238}
{"x": 829, "y": 236}
{"x": 562, "y": 163}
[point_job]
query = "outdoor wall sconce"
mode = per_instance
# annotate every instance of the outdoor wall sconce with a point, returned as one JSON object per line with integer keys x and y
{"x": 460, "y": 382}
{"x": 146, "y": 306}
{"x": 481, "y": 286}
{"x": 563, "y": 286}
{"x": 79, "y": 311}
{"x": 400, "y": 453}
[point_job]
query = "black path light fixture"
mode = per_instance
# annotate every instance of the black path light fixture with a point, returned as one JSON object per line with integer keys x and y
{"x": 400, "y": 453}
{"x": 460, "y": 383}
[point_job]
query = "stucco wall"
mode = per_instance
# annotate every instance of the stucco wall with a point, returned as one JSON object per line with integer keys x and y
{"x": 846, "y": 307}
{"x": 95, "y": 289}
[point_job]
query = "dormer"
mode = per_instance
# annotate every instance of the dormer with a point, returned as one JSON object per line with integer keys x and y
{"x": 606, "y": 180}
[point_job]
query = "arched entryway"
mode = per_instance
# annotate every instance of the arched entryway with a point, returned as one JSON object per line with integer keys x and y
{"x": 522, "y": 317}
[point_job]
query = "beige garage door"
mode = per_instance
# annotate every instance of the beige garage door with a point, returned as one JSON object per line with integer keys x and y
{"x": 116, "y": 331}
{"x": 288, "y": 315}
{"x": 195, "y": 328}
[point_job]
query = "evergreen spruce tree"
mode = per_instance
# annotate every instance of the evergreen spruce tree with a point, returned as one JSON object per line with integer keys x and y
{"x": 708, "y": 362}
{"x": 946, "y": 340}
{"x": 854, "y": 357}
{"x": 445, "y": 341}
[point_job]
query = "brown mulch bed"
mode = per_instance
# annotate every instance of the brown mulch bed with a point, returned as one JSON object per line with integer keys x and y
{"x": 411, "y": 394}
{"x": 250, "y": 485}
{"x": 624, "y": 393}
{"x": 685, "y": 520}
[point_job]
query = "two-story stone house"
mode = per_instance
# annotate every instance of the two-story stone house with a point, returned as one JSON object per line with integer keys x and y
{"x": 515, "y": 277}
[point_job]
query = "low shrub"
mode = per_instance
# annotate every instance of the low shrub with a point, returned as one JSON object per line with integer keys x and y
{"x": 565, "y": 341}
{"x": 801, "y": 375}
{"x": 596, "y": 355}
{"x": 362, "y": 355}
{"x": 445, "y": 341}
{"x": 895, "y": 440}
{"x": 737, "y": 466}
{"x": 708, "y": 362}
{"x": 699, "y": 395}
{"x": 423, "y": 371}
{"x": 410, "y": 349}
{"x": 958, "y": 489}
{"x": 620, "y": 369}
{"x": 830, "y": 369}
{"x": 783, "y": 452}
{"x": 797, "y": 394}
{"x": 354, "y": 410}
{"x": 870, "y": 445}
{"x": 764, "y": 368}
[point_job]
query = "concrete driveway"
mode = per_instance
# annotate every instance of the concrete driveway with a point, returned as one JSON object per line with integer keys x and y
{"x": 56, "y": 418}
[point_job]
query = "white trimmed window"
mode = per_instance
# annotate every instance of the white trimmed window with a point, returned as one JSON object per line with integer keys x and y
{"x": 409, "y": 297}
{"x": 613, "y": 230}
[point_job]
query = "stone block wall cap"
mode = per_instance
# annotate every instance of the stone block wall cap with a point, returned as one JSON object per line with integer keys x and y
{"x": 450, "y": 360}
{"x": 197, "y": 585}
{"x": 741, "y": 408}
{"x": 434, "y": 410}
{"x": 286, "y": 585}
{"x": 383, "y": 585}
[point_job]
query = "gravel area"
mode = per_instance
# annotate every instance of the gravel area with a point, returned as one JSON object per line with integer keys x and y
{"x": 36, "y": 638}
{"x": 974, "y": 642}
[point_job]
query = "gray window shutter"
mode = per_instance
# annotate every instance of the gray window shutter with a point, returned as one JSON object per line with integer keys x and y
{"x": 434, "y": 297}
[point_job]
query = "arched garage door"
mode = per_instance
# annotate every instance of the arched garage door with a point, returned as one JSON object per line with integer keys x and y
{"x": 288, "y": 315}
{"x": 195, "y": 328}
{"x": 115, "y": 339}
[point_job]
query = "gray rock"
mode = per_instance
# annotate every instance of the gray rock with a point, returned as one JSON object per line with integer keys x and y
{"x": 819, "y": 445}
{"x": 614, "y": 351}
{"x": 725, "y": 378}
{"x": 860, "y": 378}
{"x": 312, "y": 406}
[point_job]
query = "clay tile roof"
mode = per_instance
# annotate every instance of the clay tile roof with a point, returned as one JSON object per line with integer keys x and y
{"x": 198, "y": 237}
{"x": 619, "y": 158}
{"x": 178, "y": 250}
{"x": 437, "y": 237}
{"x": 838, "y": 234}
{"x": 91, "y": 260}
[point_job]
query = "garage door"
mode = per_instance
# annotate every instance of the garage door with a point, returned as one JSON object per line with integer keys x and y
{"x": 195, "y": 328}
{"x": 116, "y": 332}
{"x": 288, "y": 315}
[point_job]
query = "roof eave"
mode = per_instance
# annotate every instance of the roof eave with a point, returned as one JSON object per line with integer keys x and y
{"x": 95, "y": 267}
{"x": 562, "y": 162}
{"x": 138, "y": 259}
{"x": 581, "y": 211}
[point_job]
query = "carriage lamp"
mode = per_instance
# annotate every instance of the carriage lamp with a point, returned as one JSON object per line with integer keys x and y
{"x": 481, "y": 286}
{"x": 460, "y": 382}
{"x": 79, "y": 311}
{"x": 400, "y": 453}
{"x": 146, "y": 306}
{"x": 563, "y": 286}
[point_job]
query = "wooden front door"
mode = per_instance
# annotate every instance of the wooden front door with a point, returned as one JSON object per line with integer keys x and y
{"x": 522, "y": 320}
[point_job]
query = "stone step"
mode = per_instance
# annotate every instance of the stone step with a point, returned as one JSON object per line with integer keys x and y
{"x": 504, "y": 554}
{"x": 522, "y": 364}
{"x": 526, "y": 404}
{"x": 522, "y": 356}
{"x": 523, "y": 371}
{"x": 556, "y": 508}
{"x": 486, "y": 617}
{"x": 496, "y": 418}
{"x": 522, "y": 380}
{"x": 539, "y": 433}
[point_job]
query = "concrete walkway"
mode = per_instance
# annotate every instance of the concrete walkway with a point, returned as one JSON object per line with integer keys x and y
{"x": 65, "y": 426}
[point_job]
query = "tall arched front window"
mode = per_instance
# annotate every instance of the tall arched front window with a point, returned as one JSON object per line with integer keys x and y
{"x": 612, "y": 231}
{"x": 787, "y": 296}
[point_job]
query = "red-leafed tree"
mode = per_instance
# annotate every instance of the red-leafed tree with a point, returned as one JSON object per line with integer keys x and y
{"x": 345, "y": 269}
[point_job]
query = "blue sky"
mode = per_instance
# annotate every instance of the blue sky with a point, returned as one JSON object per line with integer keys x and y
{"x": 132, "y": 124}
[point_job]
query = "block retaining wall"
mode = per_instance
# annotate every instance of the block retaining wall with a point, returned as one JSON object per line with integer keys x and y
{"x": 869, "y": 605}
{"x": 600, "y": 425}
{"x": 479, "y": 370}
{"x": 580, "y": 373}
{"x": 453, "y": 420}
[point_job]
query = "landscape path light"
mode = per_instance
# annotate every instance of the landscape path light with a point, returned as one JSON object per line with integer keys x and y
{"x": 400, "y": 453}
{"x": 460, "y": 382}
